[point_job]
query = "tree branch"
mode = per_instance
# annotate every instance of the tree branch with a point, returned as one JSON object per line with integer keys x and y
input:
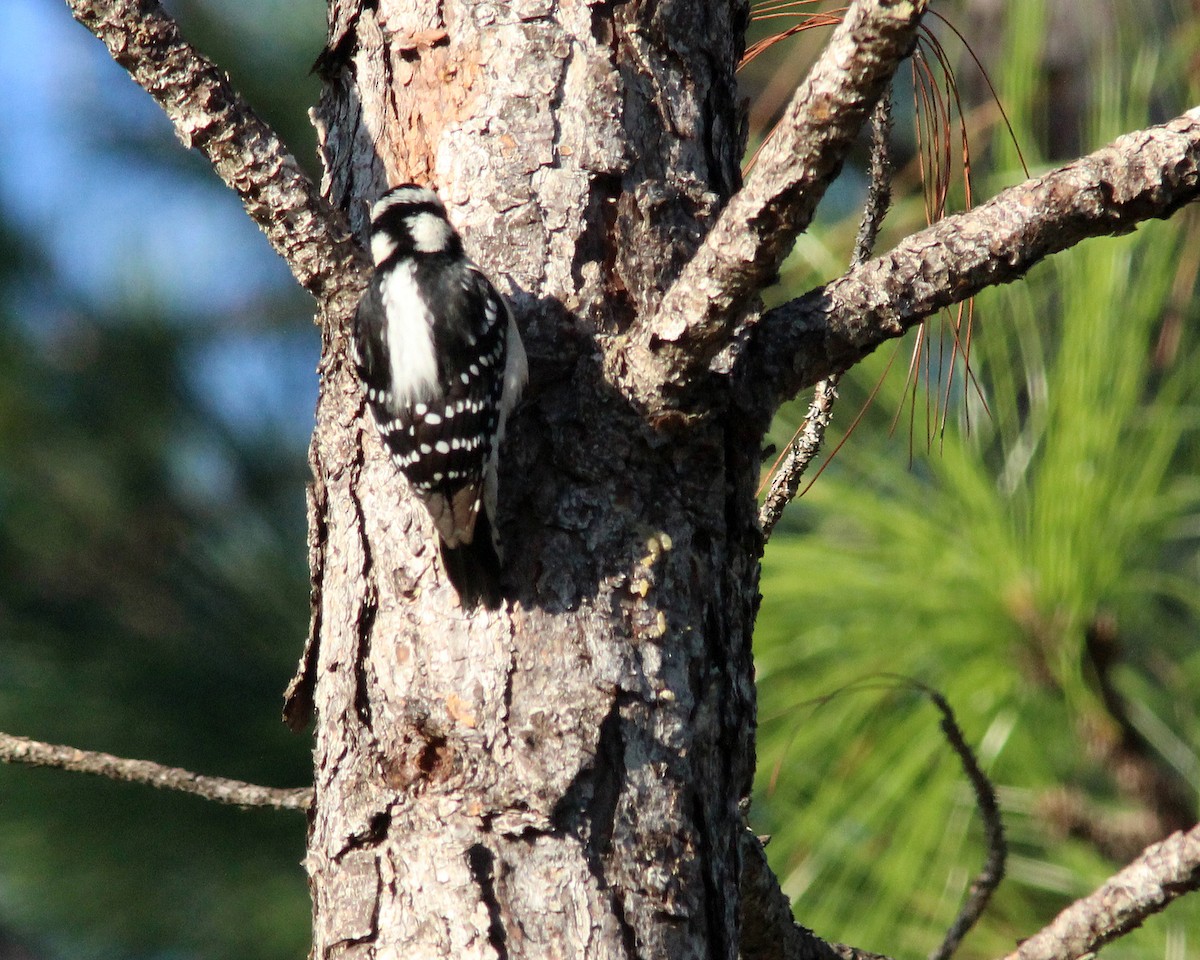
{"x": 34, "y": 753}
{"x": 807, "y": 443}
{"x": 1162, "y": 873}
{"x": 989, "y": 877}
{"x": 742, "y": 253}
{"x": 804, "y": 447}
{"x": 1143, "y": 175}
{"x": 769, "y": 931}
{"x": 311, "y": 235}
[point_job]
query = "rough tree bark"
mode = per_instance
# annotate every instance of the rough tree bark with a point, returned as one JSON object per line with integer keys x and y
{"x": 562, "y": 778}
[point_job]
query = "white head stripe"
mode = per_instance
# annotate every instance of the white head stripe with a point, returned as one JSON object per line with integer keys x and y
{"x": 404, "y": 197}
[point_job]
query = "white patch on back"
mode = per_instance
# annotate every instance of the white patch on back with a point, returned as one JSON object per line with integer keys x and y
{"x": 409, "y": 336}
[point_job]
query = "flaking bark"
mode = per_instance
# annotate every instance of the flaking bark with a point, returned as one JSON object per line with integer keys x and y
{"x": 561, "y": 778}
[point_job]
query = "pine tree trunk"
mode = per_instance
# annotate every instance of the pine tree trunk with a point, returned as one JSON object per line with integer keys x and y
{"x": 561, "y": 777}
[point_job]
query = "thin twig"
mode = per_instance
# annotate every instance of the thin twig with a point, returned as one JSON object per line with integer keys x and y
{"x": 800, "y": 453}
{"x": 879, "y": 189}
{"x": 992, "y": 873}
{"x": 807, "y": 443}
{"x": 765, "y": 907}
{"x": 15, "y": 749}
{"x": 1164, "y": 872}
{"x": 210, "y": 115}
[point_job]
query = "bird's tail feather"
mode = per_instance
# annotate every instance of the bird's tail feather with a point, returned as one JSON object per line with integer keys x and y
{"x": 474, "y": 568}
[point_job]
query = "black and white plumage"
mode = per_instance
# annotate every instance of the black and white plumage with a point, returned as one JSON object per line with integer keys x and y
{"x": 439, "y": 353}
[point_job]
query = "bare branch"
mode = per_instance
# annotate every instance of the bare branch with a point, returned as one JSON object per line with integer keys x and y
{"x": 800, "y": 453}
{"x": 769, "y": 931}
{"x": 35, "y": 753}
{"x": 879, "y": 184}
{"x": 1140, "y": 176}
{"x": 989, "y": 877}
{"x": 208, "y": 114}
{"x": 1162, "y": 873}
{"x": 807, "y": 444}
{"x": 754, "y": 233}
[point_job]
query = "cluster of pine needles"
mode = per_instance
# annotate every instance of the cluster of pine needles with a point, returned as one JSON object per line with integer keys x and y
{"x": 938, "y": 112}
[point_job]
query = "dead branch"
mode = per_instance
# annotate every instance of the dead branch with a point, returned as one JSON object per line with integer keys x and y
{"x": 1148, "y": 174}
{"x": 15, "y": 749}
{"x": 1162, "y": 873}
{"x": 807, "y": 443}
{"x": 210, "y": 115}
{"x": 799, "y": 454}
{"x": 992, "y": 872}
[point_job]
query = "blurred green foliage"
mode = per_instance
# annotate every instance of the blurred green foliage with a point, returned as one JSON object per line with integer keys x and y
{"x": 153, "y": 578}
{"x": 1058, "y": 503}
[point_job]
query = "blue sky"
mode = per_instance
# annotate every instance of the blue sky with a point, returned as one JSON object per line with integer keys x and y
{"x": 87, "y": 175}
